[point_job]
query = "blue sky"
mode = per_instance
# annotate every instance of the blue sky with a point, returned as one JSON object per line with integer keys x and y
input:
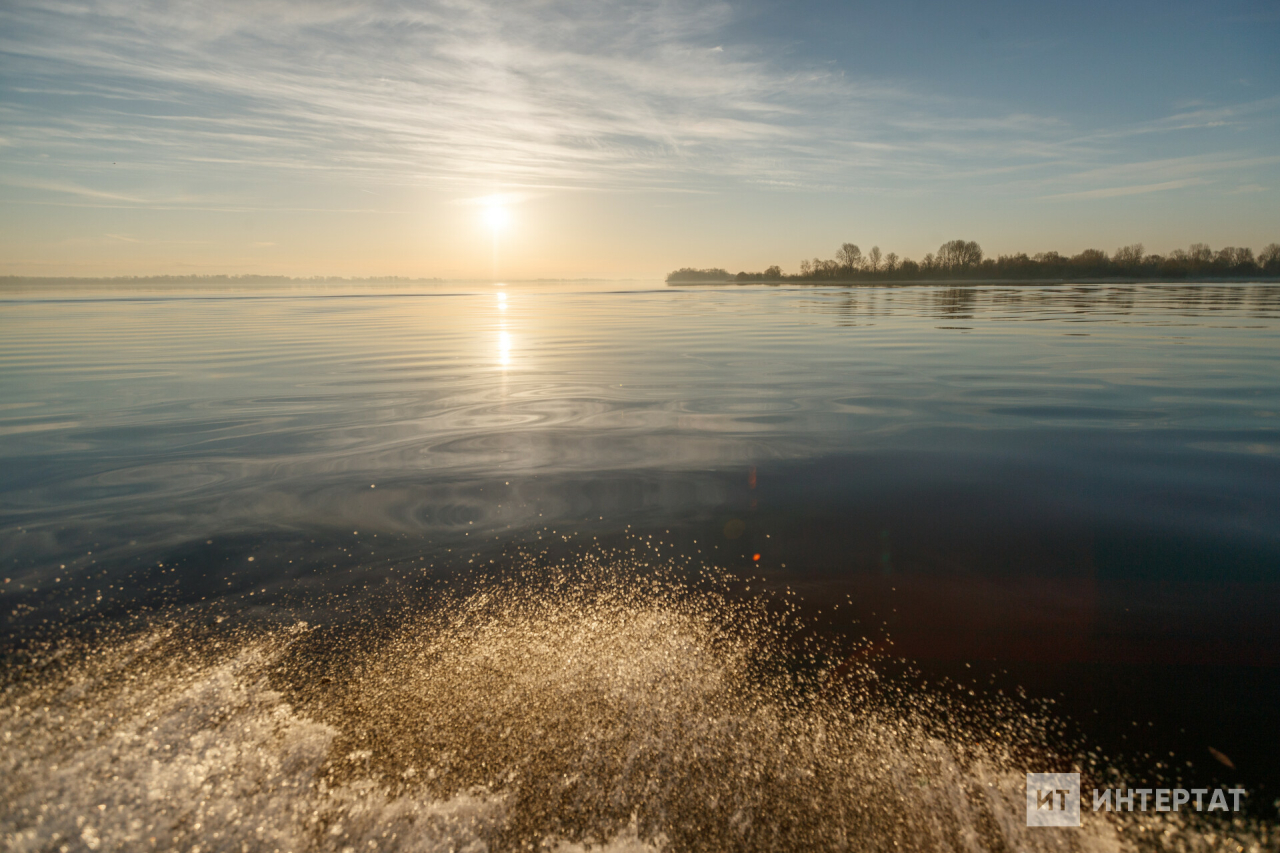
{"x": 623, "y": 138}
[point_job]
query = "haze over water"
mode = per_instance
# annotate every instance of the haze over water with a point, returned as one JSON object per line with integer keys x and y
{"x": 1073, "y": 489}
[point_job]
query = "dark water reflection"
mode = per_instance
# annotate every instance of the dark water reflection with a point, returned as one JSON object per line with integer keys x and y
{"x": 1079, "y": 483}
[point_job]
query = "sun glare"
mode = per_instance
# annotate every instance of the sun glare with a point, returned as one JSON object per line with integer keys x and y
{"x": 496, "y": 216}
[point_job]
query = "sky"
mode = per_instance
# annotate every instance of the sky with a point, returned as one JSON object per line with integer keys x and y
{"x": 565, "y": 138}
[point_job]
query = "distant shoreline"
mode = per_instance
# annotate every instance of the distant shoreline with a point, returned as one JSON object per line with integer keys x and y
{"x": 955, "y": 282}
{"x": 961, "y": 261}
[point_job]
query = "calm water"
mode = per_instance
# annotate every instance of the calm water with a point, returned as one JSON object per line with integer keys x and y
{"x": 1073, "y": 490}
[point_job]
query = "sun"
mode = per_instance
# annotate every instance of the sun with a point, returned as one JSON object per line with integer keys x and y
{"x": 496, "y": 216}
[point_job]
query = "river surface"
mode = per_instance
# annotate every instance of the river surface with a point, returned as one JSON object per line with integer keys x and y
{"x": 1066, "y": 496}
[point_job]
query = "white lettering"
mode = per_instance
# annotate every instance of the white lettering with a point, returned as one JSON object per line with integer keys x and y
{"x": 1218, "y": 801}
{"x": 1098, "y": 802}
{"x": 1180, "y": 797}
{"x": 1237, "y": 793}
{"x": 1162, "y": 799}
{"x": 1126, "y": 800}
{"x": 1142, "y": 793}
{"x": 1199, "y": 792}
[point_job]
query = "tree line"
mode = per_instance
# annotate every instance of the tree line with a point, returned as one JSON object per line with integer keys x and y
{"x": 963, "y": 259}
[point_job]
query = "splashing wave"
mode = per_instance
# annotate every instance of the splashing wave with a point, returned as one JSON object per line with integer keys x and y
{"x": 576, "y": 712}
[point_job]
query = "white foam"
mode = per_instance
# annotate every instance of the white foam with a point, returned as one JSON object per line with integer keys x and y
{"x": 200, "y": 760}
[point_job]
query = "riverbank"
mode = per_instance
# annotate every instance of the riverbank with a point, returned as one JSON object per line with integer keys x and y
{"x": 957, "y": 282}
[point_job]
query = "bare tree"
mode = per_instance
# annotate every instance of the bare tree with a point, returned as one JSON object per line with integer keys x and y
{"x": 1129, "y": 256}
{"x": 1269, "y": 257}
{"x": 1093, "y": 258}
{"x": 946, "y": 257}
{"x": 849, "y": 256}
{"x": 873, "y": 258}
{"x": 891, "y": 262}
{"x": 957, "y": 254}
{"x": 1232, "y": 258}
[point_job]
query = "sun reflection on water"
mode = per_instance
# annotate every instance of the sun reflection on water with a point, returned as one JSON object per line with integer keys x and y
{"x": 504, "y": 337}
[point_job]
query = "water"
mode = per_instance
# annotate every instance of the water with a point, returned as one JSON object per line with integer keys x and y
{"x": 817, "y": 543}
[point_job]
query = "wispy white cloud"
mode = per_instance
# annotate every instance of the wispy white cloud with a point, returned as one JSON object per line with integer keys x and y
{"x": 468, "y": 92}
{"x": 67, "y": 188}
{"x": 476, "y": 95}
{"x": 126, "y": 238}
{"x": 1174, "y": 167}
{"x": 498, "y": 199}
{"x": 1197, "y": 116}
{"x": 1141, "y": 189}
{"x": 1144, "y": 176}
